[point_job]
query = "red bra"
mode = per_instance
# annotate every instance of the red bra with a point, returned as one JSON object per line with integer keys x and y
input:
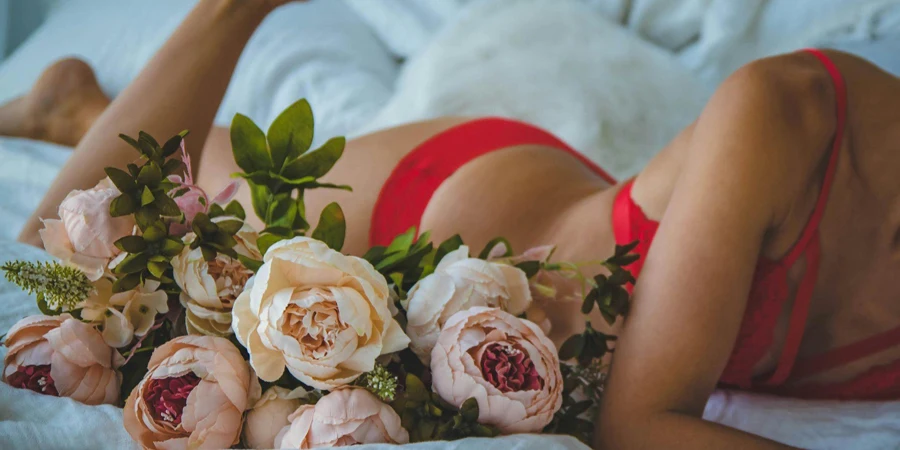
{"x": 769, "y": 295}
{"x": 406, "y": 194}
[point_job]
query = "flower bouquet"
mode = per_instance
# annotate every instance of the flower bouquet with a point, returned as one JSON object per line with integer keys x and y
{"x": 212, "y": 334}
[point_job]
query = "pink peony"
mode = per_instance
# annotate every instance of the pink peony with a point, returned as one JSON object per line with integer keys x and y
{"x": 458, "y": 283}
{"x": 346, "y": 416}
{"x": 507, "y": 364}
{"x": 193, "y": 396}
{"x": 62, "y": 356}
{"x": 270, "y": 414}
{"x": 84, "y": 235}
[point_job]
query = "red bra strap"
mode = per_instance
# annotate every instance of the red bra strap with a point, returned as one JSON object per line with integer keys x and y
{"x": 847, "y": 354}
{"x": 799, "y": 313}
{"x": 840, "y": 93}
{"x": 404, "y": 196}
{"x": 808, "y": 243}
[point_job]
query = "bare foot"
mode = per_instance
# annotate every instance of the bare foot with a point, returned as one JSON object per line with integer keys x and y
{"x": 60, "y": 108}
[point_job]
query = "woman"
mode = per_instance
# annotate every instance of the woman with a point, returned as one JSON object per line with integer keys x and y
{"x": 773, "y": 271}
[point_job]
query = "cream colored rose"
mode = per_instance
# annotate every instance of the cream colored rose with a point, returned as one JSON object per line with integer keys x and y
{"x": 346, "y": 416}
{"x": 270, "y": 414}
{"x": 124, "y": 315}
{"x": 84, "y": 234}
{"x": 193, "y": 396}
{"x": 322, "y": 314}
{"x": 505, "y": 363}
{"x": 62, "y": 356}
{"x": 459, "y": 283}
{"x": 209, "y": 288}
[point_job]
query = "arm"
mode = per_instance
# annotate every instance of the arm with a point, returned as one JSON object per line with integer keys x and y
{"x": 753, "y": 152}
{"x": 180, "y": 88}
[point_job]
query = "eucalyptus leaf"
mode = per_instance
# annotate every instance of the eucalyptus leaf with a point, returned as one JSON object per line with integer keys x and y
{"x": 317, "y": 163}
{"x": 332, "y": 227}
{"x": 248, "y": 144}
{"x": 291, "y": 133}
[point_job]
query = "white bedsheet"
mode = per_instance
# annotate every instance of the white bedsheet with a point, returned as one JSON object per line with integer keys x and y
{"x": 587, "y": 82}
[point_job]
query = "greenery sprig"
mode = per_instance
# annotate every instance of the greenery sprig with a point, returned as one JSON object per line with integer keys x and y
{"x": 279, "y": 168}
{"x": 427, "y": 417}
{"x": 145, "y": 194}
{"x": 380, "y": 382}
{"x": 59, "y": 288}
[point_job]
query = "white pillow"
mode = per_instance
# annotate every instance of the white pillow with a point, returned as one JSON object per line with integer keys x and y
{"x": 319, "y": 50}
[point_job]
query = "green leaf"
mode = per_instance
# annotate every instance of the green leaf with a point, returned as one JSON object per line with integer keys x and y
{"x": 44, "y": 307}
{"x": 284, "y": 232}
{"x": 155, "y": 232}
{"x": 147, "y": 196}
{"x": 167, "y": 207}
{"x": 208, "y": 253}
{"x": 260, "y": 196}
{"x": 415, "y": 389}
{"x": 265, "y": 241}
{"x": 150, "y": 174}
{"x": 291, "y": 133}
{"x": 235, "y": 209}
{"x": 451, "y": 244}
{"x": 282, "y": 212}
{"x": 620, "y": 277}
{"x": 374, "y": 254}
{"x": 202, "y": 225}
{"x": 172, "y": 247}
{"x": 248, "y": 144}
{"x": 122, "y": 205}
{"x": 131, "y": 142}
{"x": 157, "y": 268}
{"x": 173, "y": 144}
{"x": 131, "y": 244}
{"x": 250, "y": 263}
{"x": 230, "y": 227}
{"x": 469, "y": 410}
{"x": 317, "y": 163}
{"x": 572, "y": 347}
{"x": 123, "y": 181}
{"x": 490, "y": 246}
{"x": 401, "y": 243}
{"x": 626, "y": 249}
{"x": 173, "y": 166}
{"x": 143, "y": 136}
{"x": 625, "y": 260}
{"x": 146, "y": 217}
{"x": 530, "y": 268}
{"x": 132, "y": 263}
{"x": 332, "y": 227}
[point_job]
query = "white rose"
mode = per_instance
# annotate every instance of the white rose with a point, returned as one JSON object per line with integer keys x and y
{"x": 209, "y": 288}
{"x": 459, "y": 283}
{"x": 322, "y": 314}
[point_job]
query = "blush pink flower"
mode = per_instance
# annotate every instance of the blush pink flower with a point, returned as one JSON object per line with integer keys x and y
{"x": 458, "y": 283}
{"x": 62, "y": 356}
{"x": 505, "y": 363}
{"x": 84, "y": 234}
{"x": 193, "y": 396}
{"x": 270, "y": 414}
{"x": 346, "y": 416}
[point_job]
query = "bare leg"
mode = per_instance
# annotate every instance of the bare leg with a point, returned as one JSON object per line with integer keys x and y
{"x": 181, "y": 87}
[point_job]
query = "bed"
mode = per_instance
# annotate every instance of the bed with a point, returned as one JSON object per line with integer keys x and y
{"x": 614, "y": 78}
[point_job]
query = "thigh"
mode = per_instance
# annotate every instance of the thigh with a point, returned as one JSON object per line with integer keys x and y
{"x": 367, "y": 163}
